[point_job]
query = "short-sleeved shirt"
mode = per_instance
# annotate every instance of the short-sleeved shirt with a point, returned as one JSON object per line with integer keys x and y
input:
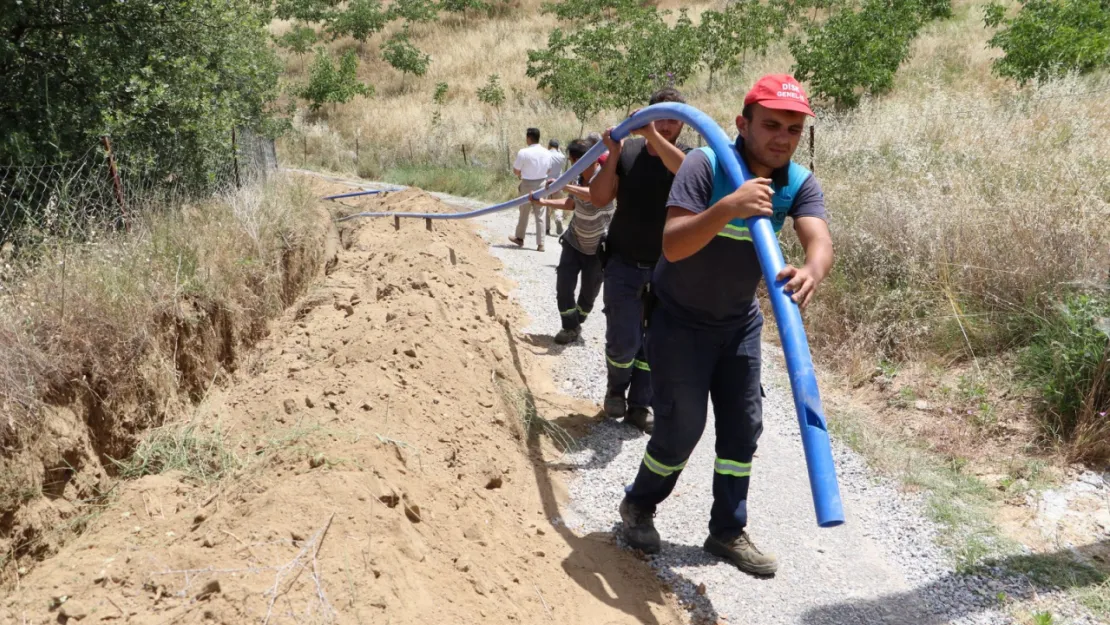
{"x": 557, "y": 160}
{"x": 588, "y": 223}
{"x": 636, "y": 232}
{"x": 716, "y": 286}
{"x": 533, "y": 162}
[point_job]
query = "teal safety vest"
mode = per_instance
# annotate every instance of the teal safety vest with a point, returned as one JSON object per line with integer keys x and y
{"x": 781, "y": 201}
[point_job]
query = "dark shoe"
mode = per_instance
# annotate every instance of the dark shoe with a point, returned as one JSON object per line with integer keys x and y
{"x": 641, "y": 418}
{"x": 742, "y": 552}
{"x": 566, "y": 335}
{"x": 639, "y": 528}
{"x": 516, "y": 241}
{"x": 615, "y": 406}
{"x": 539, "y": 249}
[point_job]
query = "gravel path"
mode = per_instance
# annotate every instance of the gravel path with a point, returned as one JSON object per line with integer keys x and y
{"x": 882, "y": 567}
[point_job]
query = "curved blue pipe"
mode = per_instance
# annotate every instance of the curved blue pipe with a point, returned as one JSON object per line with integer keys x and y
{"x": 353, "y": 194}
{"x": 799, "y": 363}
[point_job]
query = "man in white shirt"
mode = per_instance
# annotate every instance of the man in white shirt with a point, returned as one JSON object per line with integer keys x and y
{"x": 531, "y": 166}
{"x": 556, "y": 170}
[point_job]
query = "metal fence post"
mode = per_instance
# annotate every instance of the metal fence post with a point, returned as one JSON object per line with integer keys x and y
{"x": 235, "y": 158}
{"x": 116, "y": 185}
{"x": 811, "y": 133}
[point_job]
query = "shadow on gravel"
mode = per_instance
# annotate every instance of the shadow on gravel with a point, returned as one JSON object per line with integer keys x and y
{"x": 595, "y": 562}
{"x": 545, "y": 342}
{"x": 990, "y": 585}
{"x": 603, "y": 453}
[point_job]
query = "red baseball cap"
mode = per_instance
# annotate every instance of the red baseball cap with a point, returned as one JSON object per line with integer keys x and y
{"x": 779, "y": 91}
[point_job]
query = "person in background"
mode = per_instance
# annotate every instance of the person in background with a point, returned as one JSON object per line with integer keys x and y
{"x": 579, "y": 256}
{"x": 638, "y": 173}
{"x": 556, "y": 170}
{"x": 704, "y": 333}
{"x": 594, "y": 138}
{"x": 531, "y": 166}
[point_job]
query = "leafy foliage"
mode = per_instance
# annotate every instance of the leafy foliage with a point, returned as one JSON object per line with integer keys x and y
{"x": 856, "y": 52}
{"x": 1048, "y": 38}
{"x": 464, "y": 6}
{"x": 743, "y": 26}
{"x": 360, "y": 21}
{"x": 305, "y": 10}
{"x": 615, "y": 56}
{"x": 298, "y": 40}
{"x": 328, "y": 84}
{"x": 1069, "y": 357}
{"x": 440, "y": 95}
{"x": 401, "y": 54}
{"x": 416, "y": 11}
{"x": 167, "y": 80}
{"x": 491, "y": 93}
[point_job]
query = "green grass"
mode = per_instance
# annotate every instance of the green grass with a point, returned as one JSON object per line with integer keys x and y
{"x": 199, "y": 454}
{"x": 958, "y": 502}
{"x": 473, "y": 182}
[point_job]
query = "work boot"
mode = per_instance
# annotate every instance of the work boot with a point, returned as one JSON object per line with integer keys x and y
{"x": 615, "y": 405}
{"x": 566, "y": 335}
{"x": 742, "y": 552}
{"x": 639, "y": 528}
{"x": 641, "y": 418}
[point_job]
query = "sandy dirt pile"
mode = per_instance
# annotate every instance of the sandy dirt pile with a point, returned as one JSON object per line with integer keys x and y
{"x": 385, "y": 469}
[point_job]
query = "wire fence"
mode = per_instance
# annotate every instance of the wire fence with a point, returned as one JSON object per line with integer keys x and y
{"x": 102, "y": 188}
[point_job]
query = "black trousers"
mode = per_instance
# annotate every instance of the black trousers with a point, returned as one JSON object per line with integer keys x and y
{"x": 572, "y": 264}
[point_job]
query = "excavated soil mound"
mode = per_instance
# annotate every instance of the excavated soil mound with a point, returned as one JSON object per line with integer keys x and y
{"x": 391, "y": 469}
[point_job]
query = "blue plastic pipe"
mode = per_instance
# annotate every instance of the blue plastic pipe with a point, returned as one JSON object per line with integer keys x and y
{"x": 353, "y": 194}
{"x": 795, "y": 347}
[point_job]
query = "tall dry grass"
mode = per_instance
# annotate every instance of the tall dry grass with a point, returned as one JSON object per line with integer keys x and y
{"x": 960, "y": 202}
{"x": 97, "y": 312}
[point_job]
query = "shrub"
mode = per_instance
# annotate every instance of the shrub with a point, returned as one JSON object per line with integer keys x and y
{"x": 361, "y": 20}
{"x": 1069, "y": 360}
{"x": 1050, "y": 38}
{"x": 330, "y": 85}
{"x": 856, "y": 52}
{"x": 400, "y": 53}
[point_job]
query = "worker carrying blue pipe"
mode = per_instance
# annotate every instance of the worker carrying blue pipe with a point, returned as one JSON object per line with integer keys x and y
{"x": 704, "y": 321}
{"x": 638, "y": 173}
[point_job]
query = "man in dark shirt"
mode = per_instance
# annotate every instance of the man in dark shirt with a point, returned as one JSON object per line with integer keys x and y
{"x": 638, "y": 173}
{"x": 704, "y": 335}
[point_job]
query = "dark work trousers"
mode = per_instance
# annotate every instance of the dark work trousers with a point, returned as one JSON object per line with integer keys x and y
{"x": 624, "y": 331}
{"x": 573, "y": 263}
{"x": 688, "y": 367}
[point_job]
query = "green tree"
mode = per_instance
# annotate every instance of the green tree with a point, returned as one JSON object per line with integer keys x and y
{"x": 167, "y": 80}
{"x": 361, "y": 20}
{"x": 415, "y": 11}
{"x": 623, "y": 60}
{"x": 328, "y": 84}
{"x": 401, "y": 54}
{"x": 305, "y": 10}
{"x": 298, "y": 40}
{"x": 491, "y": 94}
{"x": 1048, "y": 38}
{"x": 593, "y": 11}
{"x": 464, "y": 7}
{"x": 574, "y": 82}
{"x": 856, "y": 52}
{"x": 726, "y": 37}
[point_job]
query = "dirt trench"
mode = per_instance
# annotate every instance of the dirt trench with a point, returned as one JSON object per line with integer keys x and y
{"x": 391, "y": 468}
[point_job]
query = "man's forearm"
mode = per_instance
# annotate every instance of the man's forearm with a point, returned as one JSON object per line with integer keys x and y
{"x": 819, "y": 257}
{"x": 582, "y": 193}
{"x": 603, "y": 188}
{"x": 687, "y": 233}
{"x": 670, "y": 153}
